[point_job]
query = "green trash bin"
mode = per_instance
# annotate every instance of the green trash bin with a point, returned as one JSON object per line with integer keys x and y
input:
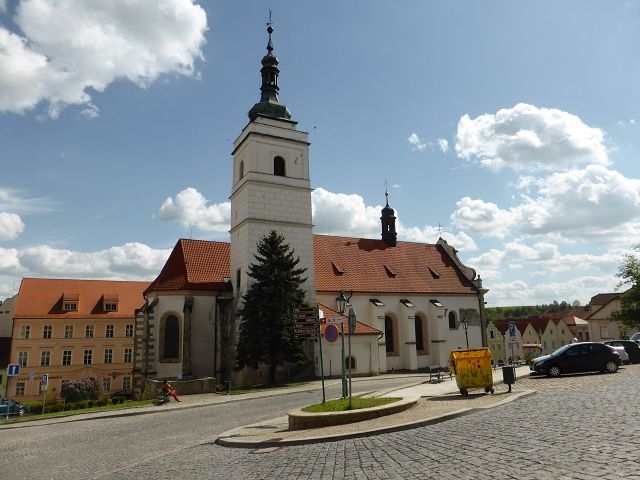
{"x": 509, "y": 375}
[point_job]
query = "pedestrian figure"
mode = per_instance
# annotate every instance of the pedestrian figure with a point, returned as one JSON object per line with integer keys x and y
{"x": 167, "y": 389}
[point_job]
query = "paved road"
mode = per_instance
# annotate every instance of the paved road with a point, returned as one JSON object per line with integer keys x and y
{"x": 578, "y": 427}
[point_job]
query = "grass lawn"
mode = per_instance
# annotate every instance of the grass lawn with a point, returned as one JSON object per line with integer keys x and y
{"x": 342, "y": 404}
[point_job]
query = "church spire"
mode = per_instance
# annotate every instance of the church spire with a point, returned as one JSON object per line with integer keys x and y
{"x": 388, "y": 219}
{"x": 269, "y": 104}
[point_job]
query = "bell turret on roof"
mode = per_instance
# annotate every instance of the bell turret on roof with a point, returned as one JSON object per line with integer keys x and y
{"x": 388, "y": 219}
{"x": 269, "y": 104}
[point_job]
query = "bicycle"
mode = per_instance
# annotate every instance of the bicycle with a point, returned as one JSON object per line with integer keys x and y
{"x": 161, "y": 399}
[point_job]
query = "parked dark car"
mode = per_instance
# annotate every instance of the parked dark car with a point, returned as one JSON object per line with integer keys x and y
{"x": 635, "y": 337}
{"x": 576, "y": 358}
{"x": 126, "y": 394}
{"x": 631, "y": 347}
{"x": 14, "y": 408}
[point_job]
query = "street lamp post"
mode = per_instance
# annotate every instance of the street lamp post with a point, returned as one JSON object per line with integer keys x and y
{"x": 540, "y": 338}
{"x": 465, "y": 325}
{"x": 342, "y": 302}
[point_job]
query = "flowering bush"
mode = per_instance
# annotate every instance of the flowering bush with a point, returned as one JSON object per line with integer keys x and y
{"x": 81, "y": 389}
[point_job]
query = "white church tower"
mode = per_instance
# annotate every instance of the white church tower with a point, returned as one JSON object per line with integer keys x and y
{"x": 271, "y": 187}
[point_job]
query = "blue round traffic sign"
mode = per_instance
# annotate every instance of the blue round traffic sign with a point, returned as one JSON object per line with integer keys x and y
{"x": 331, "y": 333}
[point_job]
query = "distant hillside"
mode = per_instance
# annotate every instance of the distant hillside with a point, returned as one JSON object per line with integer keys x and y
{"x": 498, "y": 313}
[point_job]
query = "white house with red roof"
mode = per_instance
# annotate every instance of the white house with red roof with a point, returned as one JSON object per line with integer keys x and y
{"x": 414, "y": 302}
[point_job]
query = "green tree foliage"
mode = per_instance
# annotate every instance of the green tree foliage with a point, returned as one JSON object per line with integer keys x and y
{"x": 629, "y": 272}
{"x": 526, "y": 311}
{"x": 266, "y": 329}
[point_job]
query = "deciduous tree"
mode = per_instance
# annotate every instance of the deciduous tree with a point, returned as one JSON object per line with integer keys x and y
{"x": 629, "y": 272}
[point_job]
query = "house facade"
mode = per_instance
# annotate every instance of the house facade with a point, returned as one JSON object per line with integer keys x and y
{"x": 70, "y": 329}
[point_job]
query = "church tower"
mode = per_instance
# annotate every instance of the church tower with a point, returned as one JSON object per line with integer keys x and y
{"x": 271, "y": 189}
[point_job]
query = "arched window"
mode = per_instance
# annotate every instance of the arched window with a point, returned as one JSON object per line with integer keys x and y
{"x": 389, "y": 334}
{"x": 452, "y": 321}
{"x": 278, "y": 167}
{"x": 171, "y": 344}
{"x": 419, "y": 334}
{"x": 350, "y": 360}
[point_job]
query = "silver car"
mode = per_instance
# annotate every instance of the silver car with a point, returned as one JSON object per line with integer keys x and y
{"x": 624, "y": 356}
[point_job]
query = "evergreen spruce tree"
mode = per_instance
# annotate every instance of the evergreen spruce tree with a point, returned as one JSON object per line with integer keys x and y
{"x": 266, "y": 328}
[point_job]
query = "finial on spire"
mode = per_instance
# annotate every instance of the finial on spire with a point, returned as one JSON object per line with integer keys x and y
{"x": 386, "y": 192}
{"x": 270, "y": 31}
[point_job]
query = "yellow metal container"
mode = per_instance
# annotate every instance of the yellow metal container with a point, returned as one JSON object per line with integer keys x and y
{"x": 472, "y": 368}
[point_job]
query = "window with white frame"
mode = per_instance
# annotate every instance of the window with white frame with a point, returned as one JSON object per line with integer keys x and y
{"x": 128, "y": 355}
{"x": 110, "y": 307}
{"x": 109, "y": 331}
{"x": 47, "y": 331}
{"x": 70, "y": 306}
{"x": 128, "y": 331}
{"x": 88, "y": 357}
{"x": 68, "y": 331}
{"x": 126, "y": 383}
{"x": 25, "y": 332}
{"x": 604, "y": 331}
{"x": 23, "y": 358}
{"x": 19, "y": 389}
{"x": 88, "y": 331}
{"x": 45, "y": 358}
{"x": 66, "y": 357}
{"x": 106, "y": 384}
{"x": 108, "y": 355}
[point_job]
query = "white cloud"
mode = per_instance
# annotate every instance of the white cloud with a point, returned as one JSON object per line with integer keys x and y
{"x": 526, "y": 137}
{"x": 190, "y": 208}
{"x": 342, "y": 214}
{"x": 484, "y": 218}
{"x": 626, "y": 123}
{"x": 10, "y": 226}
{"x": 443, "y": 144}
{"x": 416, "y": 142}
{"x": 89, "y": 45}
{"x": 134, "y": 261}
{"x": 15, "y": 201}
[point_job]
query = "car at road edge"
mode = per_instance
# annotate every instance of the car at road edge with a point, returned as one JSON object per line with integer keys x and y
{"x": 577, "y": 358}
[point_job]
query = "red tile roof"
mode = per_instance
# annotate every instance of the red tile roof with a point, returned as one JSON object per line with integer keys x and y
{"x": 43, "y": 297}
{"x": 367, "y": 265}
{"x": 195, "y": 265}
{"x": 361, "y": 328}
{"x": 340, "y": 263}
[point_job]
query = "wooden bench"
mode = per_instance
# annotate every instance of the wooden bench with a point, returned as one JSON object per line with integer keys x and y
{"x": 438, "y": 373}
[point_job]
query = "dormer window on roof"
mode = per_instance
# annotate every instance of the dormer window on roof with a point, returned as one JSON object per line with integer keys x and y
{"x": 434, "y": 273}
{"x": 376, "y": 302}
{"x": 407, "y": 303}
{"x": 70, "y": 302}
{"x": 436, "y": 302}
{"x": 390, "y": 270}
{"x": 110, "y": 303}
{"x": 337, "y": 268}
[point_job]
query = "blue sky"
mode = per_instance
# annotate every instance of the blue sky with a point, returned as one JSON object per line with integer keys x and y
{"x": 509, "y": 128}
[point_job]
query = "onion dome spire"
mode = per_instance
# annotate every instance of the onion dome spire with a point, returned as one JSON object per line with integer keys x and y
{"x": 269, "y": 104}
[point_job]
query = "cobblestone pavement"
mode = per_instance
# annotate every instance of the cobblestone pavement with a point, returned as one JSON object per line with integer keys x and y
{"x": 575, "y": 427}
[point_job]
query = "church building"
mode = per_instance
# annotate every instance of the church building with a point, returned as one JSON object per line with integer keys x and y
{"x": 414, "y": 302}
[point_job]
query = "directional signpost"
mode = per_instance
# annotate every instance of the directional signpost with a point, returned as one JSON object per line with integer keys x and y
{"x": 305, "y": 323}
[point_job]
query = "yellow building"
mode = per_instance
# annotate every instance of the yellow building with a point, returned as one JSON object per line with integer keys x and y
{"x": 70, "y": 329}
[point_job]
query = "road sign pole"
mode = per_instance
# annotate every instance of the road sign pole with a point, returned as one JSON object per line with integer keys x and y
{"x": 321, "y": 361}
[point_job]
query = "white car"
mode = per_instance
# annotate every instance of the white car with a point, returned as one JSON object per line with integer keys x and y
{"x": 635, "y": 337}
{"x": 624, "y": 356}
